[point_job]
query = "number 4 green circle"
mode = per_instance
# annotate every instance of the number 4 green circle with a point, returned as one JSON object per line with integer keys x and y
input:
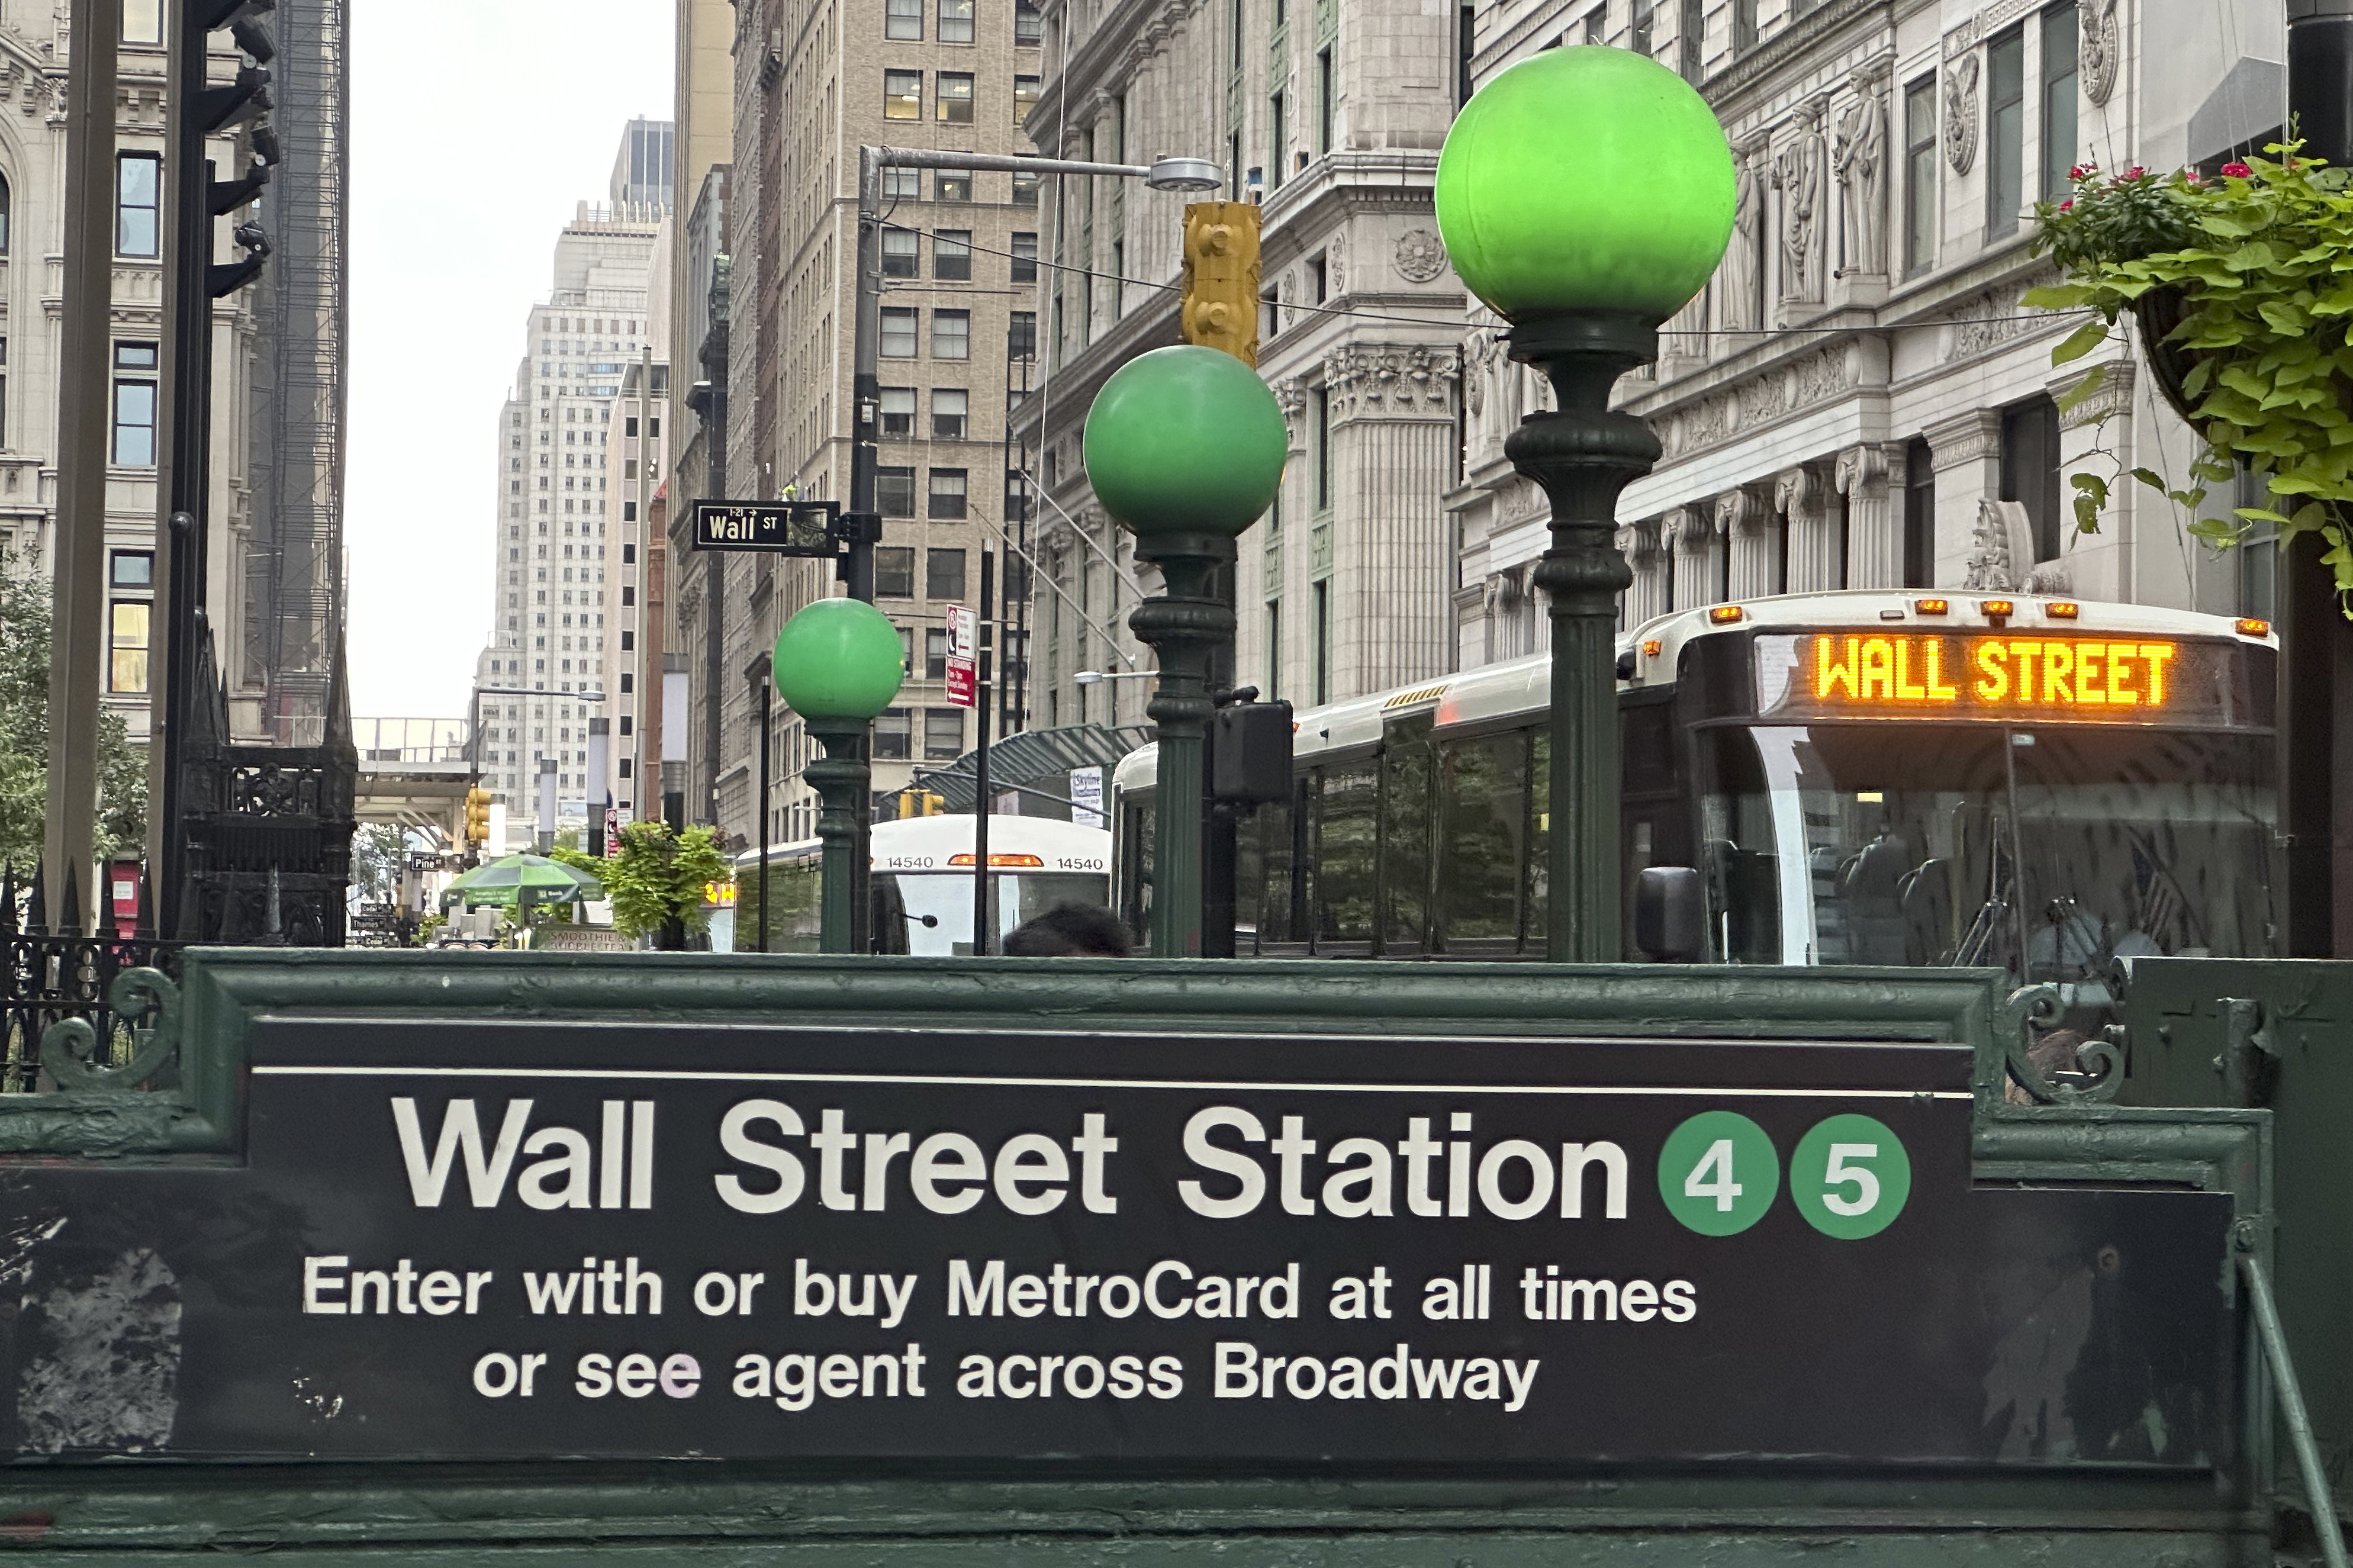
{"x": 1850, "y": 1177}
{"x": 1718, "y": 1173}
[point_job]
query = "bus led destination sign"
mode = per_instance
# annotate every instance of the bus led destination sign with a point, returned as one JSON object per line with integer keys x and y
{"x": 2122, "y": 679}
{"x": 1929, "y": 669}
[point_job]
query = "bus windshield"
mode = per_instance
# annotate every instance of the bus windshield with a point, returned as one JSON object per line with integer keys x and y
{"x": 2046, "y": 850}
{"x": 931, "y": 912}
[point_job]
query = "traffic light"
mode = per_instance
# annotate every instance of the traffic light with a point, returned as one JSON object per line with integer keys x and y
{"x": 1221, "y": 308}
{"x": 212, "y": 109}
{"x": 920, "y": 803}
{"x": 478, "y": 815}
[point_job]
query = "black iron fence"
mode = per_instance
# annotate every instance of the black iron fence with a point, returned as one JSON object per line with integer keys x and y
{"x": 49, "y": 974}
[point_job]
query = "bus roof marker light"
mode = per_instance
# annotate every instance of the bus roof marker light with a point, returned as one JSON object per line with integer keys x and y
{"x": 1997, "y": 610}
{"x": 1652, "y": 647}
{"x": 1726, "y": 615}
{"x": 1932, "y": 606}
{"x": 2061, "y": 609}
{"x": 2253, "y": 626}
{"x": 1015, "y": 862}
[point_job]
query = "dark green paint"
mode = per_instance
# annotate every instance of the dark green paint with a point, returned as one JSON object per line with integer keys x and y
{"x": 700, "y": 1512}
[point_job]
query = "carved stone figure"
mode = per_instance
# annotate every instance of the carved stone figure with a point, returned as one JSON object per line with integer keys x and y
{"x": 1860, "y": 156}
{"x": 1798, "y": 175}
{"x": 1961, "y": 114}
{"x": 2095, "y": 55}
{"x": 1738, "y": 296}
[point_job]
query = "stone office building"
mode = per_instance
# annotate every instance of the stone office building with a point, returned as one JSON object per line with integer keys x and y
{"x": 1861, "y": 399}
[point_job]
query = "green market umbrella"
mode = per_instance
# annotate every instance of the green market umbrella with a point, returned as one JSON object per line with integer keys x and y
{"x": 521, "y": 881}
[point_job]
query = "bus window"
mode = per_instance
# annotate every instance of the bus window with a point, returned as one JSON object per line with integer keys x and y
{"x": 1407, "y": 764}
{"x": 1262, "y": 881}
{"x": 1482, "y": 831}
{"x": 1346, "y": 820}
{"x": 1137, "y": 823}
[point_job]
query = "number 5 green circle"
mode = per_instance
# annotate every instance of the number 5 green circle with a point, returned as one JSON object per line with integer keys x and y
{"x": 1850, "y": 1177}
{"x": 1718, "y": 1173}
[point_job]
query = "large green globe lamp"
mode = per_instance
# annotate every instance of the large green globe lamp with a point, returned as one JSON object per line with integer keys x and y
{"x": 1585, "y": 194}
{"x": 1184, "y": 447}
{"x": 1586, "y": 179}
{"x": 837, "y": 664}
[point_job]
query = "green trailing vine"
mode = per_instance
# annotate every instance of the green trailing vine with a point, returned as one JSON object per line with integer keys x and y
{"x": 2245, "y": 284}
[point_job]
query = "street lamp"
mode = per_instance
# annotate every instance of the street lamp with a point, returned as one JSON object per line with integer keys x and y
{"x": 1585, "y": 269}
{"x": 838, "y": 665}
{"x": 1185, "y": 448}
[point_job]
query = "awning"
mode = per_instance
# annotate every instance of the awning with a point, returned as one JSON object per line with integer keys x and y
{"x": 1039, "y": 760}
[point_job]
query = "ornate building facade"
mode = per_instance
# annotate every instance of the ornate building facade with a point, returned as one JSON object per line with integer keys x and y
{"x": 1331, "y": 115}
{"x": 1861, "y": 399}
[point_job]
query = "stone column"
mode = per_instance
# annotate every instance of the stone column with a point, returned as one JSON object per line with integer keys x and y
{"x": 1966, "y": 451}
{"x": 1802, "y": 501}
{"x": 1747, "y": 531}
{"x": 1393, "y": 431}
{"x": 1690, "y": 540}
{"x": 1639, "y": 545}
{"x": 1874, "y": 530}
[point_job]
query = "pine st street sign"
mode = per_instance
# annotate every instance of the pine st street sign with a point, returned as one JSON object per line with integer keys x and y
{"x": 959, "y": 1233}
{"x": 773, "y": 527}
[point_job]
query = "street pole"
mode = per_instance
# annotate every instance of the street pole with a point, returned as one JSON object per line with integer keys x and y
{"x": 981, "y": 926}
{"x": 1582, "y": 455}
{"x": 839, "y": 778}
{"x": 77, "y": 641}
{"x": 2315, "y": 667}
{"x": 763, "y": 687}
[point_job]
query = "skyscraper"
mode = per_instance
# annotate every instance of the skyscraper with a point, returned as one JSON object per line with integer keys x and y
{"x": 540, "y": 679}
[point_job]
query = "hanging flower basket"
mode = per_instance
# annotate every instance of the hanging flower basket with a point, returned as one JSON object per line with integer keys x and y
{"x": 2242, "y": 290}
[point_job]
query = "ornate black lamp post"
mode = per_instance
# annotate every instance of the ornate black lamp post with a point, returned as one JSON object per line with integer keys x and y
{"x": 1184, "y": 447}
{"x": 1586, "y": 195}
{"x": 838, "y": 665}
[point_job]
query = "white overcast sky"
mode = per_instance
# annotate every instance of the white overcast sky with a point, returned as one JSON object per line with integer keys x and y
{"x": 475, "y": 127}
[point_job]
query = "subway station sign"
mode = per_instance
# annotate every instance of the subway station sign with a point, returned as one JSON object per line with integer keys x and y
{"x": 483, "y": 1239}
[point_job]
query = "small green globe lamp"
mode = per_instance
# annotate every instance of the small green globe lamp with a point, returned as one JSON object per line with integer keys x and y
{"x": 1185, "y": 447}
{"x": 837, "y": 664}
{"x": 1586, "y": 195}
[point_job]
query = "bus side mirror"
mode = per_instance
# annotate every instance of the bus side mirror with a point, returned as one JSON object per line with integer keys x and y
{"x": 1670, "y": 914}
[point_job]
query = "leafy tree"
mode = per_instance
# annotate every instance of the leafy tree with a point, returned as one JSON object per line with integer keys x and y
{"x": 657, "y": 878}
{"x": 122, "y": 826}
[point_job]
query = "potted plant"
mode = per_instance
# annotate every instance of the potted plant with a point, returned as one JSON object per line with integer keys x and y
{"x": 2243, "y": 287}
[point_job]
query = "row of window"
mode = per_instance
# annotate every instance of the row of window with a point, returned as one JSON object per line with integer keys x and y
{"x": 950, "y": 412}
{"x": 952, "y": 95}
{"x": 951, "y": 333}
{"x": 894, "y": 734}
{"x": 951, "y": 186}
{"x": 945, "y": 495}
{"x": 951, "y": 255}
{"x": 903, "y": 19}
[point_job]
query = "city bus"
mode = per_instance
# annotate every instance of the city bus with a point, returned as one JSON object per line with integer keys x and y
{"x": 922, "y": 882}
{"x": 1857, "y": 777}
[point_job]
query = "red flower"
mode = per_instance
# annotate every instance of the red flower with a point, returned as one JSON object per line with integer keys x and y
{"x": 2066, "y": 205}
{"x": 2134, "y": 173}
{"x": 2237, "y": 171}
{"x": 2079, "y": 171}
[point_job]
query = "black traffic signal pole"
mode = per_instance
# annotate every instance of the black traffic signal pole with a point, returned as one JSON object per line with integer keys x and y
{"x": 196, "y": 110}
{"x": 2315, "y": 671}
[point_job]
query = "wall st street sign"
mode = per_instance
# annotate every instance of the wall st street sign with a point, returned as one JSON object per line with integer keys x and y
{"x": 773, "y": 527}
{"x": 978, "y": 1226}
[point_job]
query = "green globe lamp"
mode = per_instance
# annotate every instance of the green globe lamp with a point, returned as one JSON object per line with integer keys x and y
{"x": 1184, "y": 447}
{"x": 1586, "y": 195}
{"x": 837, "y": 664}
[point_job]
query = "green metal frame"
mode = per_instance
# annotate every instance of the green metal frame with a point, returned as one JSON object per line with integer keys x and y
{"x": 731, "y": 1513}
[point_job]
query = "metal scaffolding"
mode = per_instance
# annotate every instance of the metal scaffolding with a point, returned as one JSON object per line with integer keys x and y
{"x": 295, "y": 571}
